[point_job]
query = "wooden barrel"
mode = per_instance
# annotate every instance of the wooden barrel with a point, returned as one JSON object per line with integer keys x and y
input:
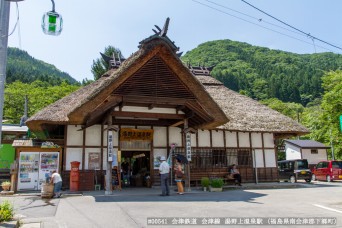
{"x": 47, "y": 190}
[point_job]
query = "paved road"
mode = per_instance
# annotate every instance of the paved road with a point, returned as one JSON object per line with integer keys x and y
{"x": 132, "y": 207}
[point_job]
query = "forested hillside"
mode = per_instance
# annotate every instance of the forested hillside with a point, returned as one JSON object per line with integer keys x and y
{"x": 23, "y": 67}
{"x": 262, "y": 73}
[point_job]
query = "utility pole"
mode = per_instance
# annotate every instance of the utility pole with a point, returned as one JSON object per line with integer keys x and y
{"x": 4, "y": 23}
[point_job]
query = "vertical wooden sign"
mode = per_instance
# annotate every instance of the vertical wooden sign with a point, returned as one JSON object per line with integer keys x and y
{"x": 188, "y": 146}
{"x": 110, "y": 146}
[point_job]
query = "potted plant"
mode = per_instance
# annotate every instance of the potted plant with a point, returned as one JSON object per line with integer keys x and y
{"x": 6, "y": 185}
{"x": 205, "y": 183}
{"x": 216, "y": 185}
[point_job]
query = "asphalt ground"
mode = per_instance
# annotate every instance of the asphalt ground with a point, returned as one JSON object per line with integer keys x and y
{"x": 132, "y": 206}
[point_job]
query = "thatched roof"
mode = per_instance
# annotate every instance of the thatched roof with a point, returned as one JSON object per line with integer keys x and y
{"x": 219, "y": 102}
{"x": 74, "y": 108}
{"x": 246, "y": 114}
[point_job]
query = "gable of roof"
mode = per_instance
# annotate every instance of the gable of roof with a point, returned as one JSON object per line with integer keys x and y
{"x": 307, "y": 144}
{"x": 75, "y": 108}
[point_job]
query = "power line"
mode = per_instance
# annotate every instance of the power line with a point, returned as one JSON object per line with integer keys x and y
{"x": 308, "y": 34}
{"x": 224, "y": 12}
{"x": 258, "y": 19}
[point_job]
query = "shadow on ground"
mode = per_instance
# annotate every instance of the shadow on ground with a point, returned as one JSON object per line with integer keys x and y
{"x": 225, "y": 196}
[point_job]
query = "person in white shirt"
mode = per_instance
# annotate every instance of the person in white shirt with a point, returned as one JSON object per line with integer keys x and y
{"x": 164, "y": 170}
{"x": 56, "y": 179}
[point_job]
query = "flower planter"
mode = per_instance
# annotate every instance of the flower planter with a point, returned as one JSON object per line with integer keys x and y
{"x": 215, "y": 189}
{"x": 6, "y": 187}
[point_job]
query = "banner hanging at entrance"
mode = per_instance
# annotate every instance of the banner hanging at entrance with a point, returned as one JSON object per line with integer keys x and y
{"x": 128, "y": 134}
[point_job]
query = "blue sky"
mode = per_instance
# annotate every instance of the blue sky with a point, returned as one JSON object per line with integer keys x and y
{"x": 90, "y": 26}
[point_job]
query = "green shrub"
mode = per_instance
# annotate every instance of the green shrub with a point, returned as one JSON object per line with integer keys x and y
{"x": 217, "y": 183}
{"x": 6, "y": 183}
{"x": 6, "y": 211}
{"x": 205, "y": 181}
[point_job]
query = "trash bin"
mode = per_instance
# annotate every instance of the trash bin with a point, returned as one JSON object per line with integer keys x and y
{"x": 74, "y": 176}
{"x": 47, "y": 190}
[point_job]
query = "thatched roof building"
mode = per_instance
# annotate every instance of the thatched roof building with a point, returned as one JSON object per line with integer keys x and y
{"x": 216, "y": 106}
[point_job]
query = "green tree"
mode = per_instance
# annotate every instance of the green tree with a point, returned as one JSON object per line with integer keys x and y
{"x": 290, "y": 109}
{"x": 100, "y": 66}
{"x": 40, "y": 94}
{"x": 322, "y": 118}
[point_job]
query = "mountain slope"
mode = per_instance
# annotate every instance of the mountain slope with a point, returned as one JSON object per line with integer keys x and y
{"x": 23, "y": 67}
{"x": 263, "y": 73}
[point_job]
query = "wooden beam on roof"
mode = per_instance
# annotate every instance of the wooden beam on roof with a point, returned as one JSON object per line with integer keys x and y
{"x": 180, "y": 107}
{"x": 151, "y": 106}
{"x": 154, "y": 100}
{"x": 198, "y": 110}
{"x": 148, "y": 115}
{"x": 177, "y": 123}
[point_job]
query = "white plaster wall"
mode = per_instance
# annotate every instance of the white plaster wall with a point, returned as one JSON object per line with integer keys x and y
{"x": 73, "y": 154}
{"x": 314, "y": 158}
{"x": 231, "y": 139}
{"x": 127, "y": 126}
{"x": 256, "y": 140}
{"x": 268, "y": 140}
{"x": 258, "y": 157}
{"x": 144, "y": 127}
{"x": 87, "y": 151}
{"x": 175, "y": 136}
{"x": 292, "y": 152}
{"x": 115, "y": 136}
{"x": 193, "y": 140}
{"x": 157, "y": 153}
{"x": 75, "y": 138}
{"x": 203, "y": 138}
{"x": 218, "y": 139}
{"x": 93, "y": 135}
{"x": 244, "y": 139}
{"x": 159, "y": 136}
{"x": 270, "y": 158}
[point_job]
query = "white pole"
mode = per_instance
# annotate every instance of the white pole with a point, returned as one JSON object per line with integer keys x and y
{"x": 332, "y": 146}
{"x": 4, "y": 22}
{"x": 255, "y": 167}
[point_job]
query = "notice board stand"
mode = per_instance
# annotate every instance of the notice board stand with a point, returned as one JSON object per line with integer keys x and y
{"x": 116, "y": 178}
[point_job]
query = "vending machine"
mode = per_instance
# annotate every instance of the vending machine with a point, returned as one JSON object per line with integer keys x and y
{"x": 48, "y": 163}
{"x": 35, "y": 167}
{"x": 28, "y": 171}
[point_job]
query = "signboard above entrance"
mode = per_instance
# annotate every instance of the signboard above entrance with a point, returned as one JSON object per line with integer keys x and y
{"x": 128, "y": 134}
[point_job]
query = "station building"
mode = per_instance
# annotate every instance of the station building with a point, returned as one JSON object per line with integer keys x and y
{"x": 152, "y": 104}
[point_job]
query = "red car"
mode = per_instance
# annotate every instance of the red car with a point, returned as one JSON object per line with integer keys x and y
{"x": 328, "y": 171}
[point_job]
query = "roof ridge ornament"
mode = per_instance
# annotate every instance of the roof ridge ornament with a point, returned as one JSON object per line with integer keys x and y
{"x": 113, "y": 61}
{"x": 162, "y": 32}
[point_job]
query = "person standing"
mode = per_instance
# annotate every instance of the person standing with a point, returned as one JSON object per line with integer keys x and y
{"x": 236, "y": 174}
{"x": 56, "y": 179}
{"x": 164, "y": 170}
{"x": 179, "y": 177}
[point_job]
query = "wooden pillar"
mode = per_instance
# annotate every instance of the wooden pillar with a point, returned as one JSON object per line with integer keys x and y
{"x": 185, "y": 147}
{"x": 109, "y": 190}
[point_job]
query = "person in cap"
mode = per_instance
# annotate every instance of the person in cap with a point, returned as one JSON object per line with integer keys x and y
{"x": 56, "y": 180}
{"x": 164, "y": 170}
